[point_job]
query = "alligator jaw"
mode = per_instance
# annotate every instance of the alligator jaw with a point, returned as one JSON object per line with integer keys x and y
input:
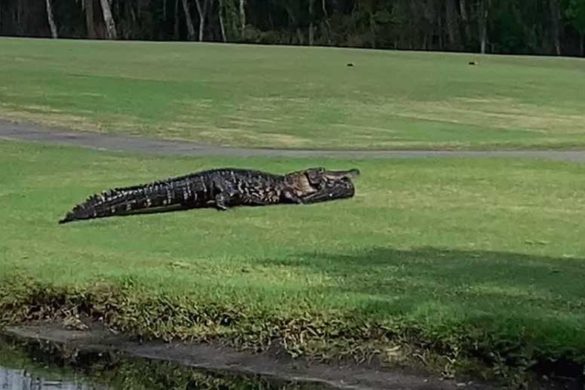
{"x": 319, "y": 176}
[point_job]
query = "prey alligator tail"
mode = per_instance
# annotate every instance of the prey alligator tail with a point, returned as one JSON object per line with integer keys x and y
{"x": 219, "y": 188}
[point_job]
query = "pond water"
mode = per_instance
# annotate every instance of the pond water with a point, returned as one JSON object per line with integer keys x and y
{"x": 17, "y": 379}
{"x": 32, "y": 366}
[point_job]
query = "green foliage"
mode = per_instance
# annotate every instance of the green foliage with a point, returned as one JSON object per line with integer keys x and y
{"x": 575, "y": 12}
{"x": 514, "y": 26}
{"x": 464, "y": 259}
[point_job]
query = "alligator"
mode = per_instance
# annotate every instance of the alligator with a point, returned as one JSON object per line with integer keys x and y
{"x": 222, "y": 189}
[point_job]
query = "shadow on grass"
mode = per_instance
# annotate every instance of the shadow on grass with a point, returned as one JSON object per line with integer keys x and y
{"x": 523, "y": 308}
{"x": 385, "y": 270}
{"x": 536, "y": 296}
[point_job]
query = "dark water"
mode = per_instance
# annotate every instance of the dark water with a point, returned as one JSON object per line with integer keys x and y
{"x": 38, "y": 366}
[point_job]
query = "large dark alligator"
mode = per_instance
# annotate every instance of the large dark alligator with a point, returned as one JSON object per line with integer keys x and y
{"x": 219, "y": 188}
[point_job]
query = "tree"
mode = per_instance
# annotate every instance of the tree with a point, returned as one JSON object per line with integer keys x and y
{"x": 243, "y": 18}
{"x": 496, "y": 26}
{"x": 202, "y": 10}
{"x": 87, "y": 6}
{"x": 555, "y": 12}
{"x": 464, "y": 12}
{"x": 109, "y": 20}
{"x": 575, "y": 13}
{"x": 176, "y": 24}
{"x": 51, "y": 19}
{"x": 188, "y": 21}
{"x": 311, "y": 26}
{"x": 220, "y": 11}
{"x": 452, "y": 20}
{"x": 327, "y": 27}
{"x": 483, "y": 17}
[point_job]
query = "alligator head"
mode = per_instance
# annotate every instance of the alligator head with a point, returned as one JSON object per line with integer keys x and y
{"x": 319, "y": 184}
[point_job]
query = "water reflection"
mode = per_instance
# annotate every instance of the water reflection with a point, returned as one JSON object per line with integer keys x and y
{"x": 21, "y": 379}
{"x": 43, "y": 366}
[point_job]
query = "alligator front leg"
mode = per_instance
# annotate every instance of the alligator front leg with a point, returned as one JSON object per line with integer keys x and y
{"x": 225, "y": 195}
{"x": 292, "y": 197}
{"x": 221, "y": 201}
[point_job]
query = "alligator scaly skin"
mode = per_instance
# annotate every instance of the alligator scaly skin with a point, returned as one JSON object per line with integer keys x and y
{"x": 219, "y": 188}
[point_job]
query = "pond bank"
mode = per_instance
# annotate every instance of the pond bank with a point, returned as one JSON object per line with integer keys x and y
{"x": 212, "y": 358}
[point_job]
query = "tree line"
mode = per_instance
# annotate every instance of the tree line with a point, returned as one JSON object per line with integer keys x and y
{"x": 555, "y": 27}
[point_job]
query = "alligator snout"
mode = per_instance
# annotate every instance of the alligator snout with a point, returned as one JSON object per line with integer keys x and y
{"x": 352, "y": 173}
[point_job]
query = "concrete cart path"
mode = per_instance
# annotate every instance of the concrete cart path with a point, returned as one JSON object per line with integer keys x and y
{"x": 111, "y": 142}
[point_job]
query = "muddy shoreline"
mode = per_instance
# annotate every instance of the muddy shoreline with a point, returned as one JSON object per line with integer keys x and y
{"x": 270, "y": 365}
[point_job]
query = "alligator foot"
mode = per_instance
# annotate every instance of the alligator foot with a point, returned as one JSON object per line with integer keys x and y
{"x": 220, "y": 202}
{"x": 292, "y": 197}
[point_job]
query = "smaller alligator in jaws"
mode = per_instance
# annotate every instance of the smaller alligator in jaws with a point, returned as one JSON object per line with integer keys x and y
{"x": 219, "y": 188}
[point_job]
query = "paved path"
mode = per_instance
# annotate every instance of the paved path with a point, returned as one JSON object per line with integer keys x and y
{"x": 36, "y": 133}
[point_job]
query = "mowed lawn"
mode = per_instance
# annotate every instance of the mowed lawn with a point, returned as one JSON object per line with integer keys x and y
{"x": 293, "y": 97}
{"x": 469, "y": 252}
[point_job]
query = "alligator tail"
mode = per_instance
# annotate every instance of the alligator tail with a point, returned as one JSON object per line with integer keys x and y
{"x": 120, "y": 201}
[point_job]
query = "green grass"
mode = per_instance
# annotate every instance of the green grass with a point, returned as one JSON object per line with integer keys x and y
{"x": 479, "y": 255}
{"x": 295, "y": 97}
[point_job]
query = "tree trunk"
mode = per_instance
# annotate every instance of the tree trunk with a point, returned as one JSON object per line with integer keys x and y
{"x": 18, "y": 18}
{"x": 483, "y": 19}
{"x": 440, "y": 34}
{"x": 176, "y": 26}
{"x": 89, "y": 22}
{"x": 221, "y": 22}
{"x": 300, "y": 36}
{"x": 51, "y": 20}
{"x": 483, "y": 38}
{"x": 465, "y": 20}
{"x": 372, "y": 29}
{"x": 326, "y": 17}
{"x": 452, "y": 25}
{"x": 135, "y": 20}
{"x": 292, "y": 23}
{"x": 109, "y": 20}
{"x": 202, "y": 12}
{"x": 311, "y": 26}
{"x": 189, "y": 21}
{"x": 556, "y": 21}
{"x": 242, "y": 18}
